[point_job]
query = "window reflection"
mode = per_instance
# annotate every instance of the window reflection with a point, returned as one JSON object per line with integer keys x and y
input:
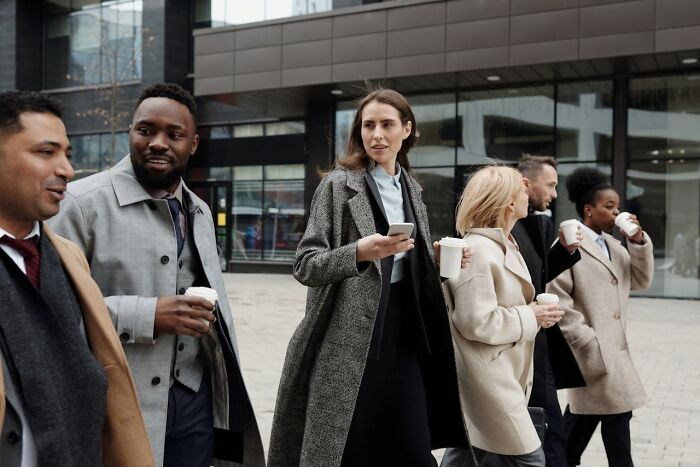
{"x": 584, "y": 121}
{"x": 663, "y": 178}
{"x": 438, "y": 196}
{"x": 217, "y": 13}
{"x": 505, "y": 123}
{"x": 437, "y": 128}
{"x": 98, "y": 152}
{"x": 92, "y": 43}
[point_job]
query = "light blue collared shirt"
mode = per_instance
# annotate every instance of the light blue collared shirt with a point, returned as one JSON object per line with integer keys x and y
{"x": 392, "y": 198}
{"x": 598, "y": 239}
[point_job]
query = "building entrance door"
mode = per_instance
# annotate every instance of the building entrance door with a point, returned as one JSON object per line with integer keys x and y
{"x": 217, "y": 195}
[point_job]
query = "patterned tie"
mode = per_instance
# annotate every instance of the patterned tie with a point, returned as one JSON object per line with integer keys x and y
{"x": 174, "y": 205}
{"x": 29, "y": 249}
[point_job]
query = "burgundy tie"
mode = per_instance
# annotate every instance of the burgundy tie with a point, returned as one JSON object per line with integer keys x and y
{"x": 29, "y": 249}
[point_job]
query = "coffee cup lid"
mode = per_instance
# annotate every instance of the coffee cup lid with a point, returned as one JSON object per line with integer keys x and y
{"x": 202, "y": 292}
{"x": 451, "y": 241}
{"x": 547, "y": 297}
{"x": 567, "y": 222}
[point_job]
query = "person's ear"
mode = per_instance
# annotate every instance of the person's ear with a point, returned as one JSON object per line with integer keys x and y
{"x": 195, "y": 144}
{"x": 407, "y": 129}
{"x": 526, "y": 182}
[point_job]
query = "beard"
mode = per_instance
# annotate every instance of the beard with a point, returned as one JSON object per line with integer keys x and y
{"x": 161, "y": 181}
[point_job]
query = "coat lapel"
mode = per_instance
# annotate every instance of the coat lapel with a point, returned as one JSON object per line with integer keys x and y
{"x": 360, "y": 207}
{"x": 616, "y": 256}
{"x": 590, "y": 247}
{"x": 375, "y": 192}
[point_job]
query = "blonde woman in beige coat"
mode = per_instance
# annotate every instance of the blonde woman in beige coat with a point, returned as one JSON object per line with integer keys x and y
{"x": 494, "y": 321}
{"x": 594, "y": 296}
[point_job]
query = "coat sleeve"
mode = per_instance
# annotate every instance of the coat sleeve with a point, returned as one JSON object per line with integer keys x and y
{"x": 559, "y": 260}
{"x": 641, "y": 263}
{"x": 317, "y": 262}
{"x": 477, "y": 316}
{"x": 576, "y": 328}
{"x": 133, "y": 316}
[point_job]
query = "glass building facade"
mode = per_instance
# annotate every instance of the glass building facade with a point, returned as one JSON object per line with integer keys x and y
{"x": 459, "y": 132}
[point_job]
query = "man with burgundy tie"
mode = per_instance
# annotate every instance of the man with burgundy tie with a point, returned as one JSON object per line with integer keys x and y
{"x": 66, "y": 394}
{"x": 148, "y": 238}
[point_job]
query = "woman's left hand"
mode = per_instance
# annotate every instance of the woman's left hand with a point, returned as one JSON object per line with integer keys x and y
{"x": 639, "y": 236}
{"x": 466, "y": 254}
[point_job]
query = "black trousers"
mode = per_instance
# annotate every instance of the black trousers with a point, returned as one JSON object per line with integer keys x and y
{"x": 189, "y": 431}
{"x": 614, "y": 429}
{"x": 390, "y": 421}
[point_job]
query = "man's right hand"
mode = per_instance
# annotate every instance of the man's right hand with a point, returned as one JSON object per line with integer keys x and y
{"x": 182, "y": 315}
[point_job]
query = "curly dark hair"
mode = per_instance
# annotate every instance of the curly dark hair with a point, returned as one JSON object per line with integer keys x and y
{"x": 170, "y": 91}
{"x": 15, "y": 103}
{"x": 584, "y": 184}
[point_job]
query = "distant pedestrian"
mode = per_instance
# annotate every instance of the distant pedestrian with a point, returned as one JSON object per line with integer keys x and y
{"x": 594, "y": 296}
{"x": 369, "y": 378}
{"x": 495, "y": 320}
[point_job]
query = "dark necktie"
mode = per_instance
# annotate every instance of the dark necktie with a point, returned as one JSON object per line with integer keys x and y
{"x": 29, "y": 249}
{"x": 174, "y": 206}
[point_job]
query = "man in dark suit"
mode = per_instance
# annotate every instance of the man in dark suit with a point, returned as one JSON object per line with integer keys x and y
{"x": 554, "y": 364}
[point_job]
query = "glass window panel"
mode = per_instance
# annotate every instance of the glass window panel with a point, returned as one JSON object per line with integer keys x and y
{"x": 248, "y": 172}
{"x": 247, "y": 220}
{"x": 221, "y": 132}
{"x": 562, "y": 208}
{"x": 584, "y": 121}
{"x": 57, "y": 55}
{"x": 435, "y": 118}
{"x": 247, "y": 131}
{"x": 439, "y": 198}
{"x": 57, "y": 6}
{"x": 345, "y": 112}
{"x": 285, "y": 128}
{"x": 665, "y": 195}
{"x": 86, "y": 155}
{"x": 664, "y": 117}
{"x": 504, "y": 123}
{"x": 284, "y": 172}
{"x": 283, "y": 218}
{"x": 220, "y": 173}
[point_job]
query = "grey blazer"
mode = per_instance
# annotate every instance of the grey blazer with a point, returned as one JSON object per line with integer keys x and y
{"x": 129, "y": 241}
{"x": 326, "y": 355}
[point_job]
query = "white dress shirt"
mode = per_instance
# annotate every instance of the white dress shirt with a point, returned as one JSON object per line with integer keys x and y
{"x": 598, "y": 239}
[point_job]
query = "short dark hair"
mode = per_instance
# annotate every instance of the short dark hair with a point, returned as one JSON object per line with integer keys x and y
{"x": 170, "y": 91}
{"x": 15, "y": 103}
{"x": 531, "y": 163}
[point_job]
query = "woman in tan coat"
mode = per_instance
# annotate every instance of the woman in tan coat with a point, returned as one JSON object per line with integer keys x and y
{"x": 594, "y": 294}
{"x": 494, "y": 320}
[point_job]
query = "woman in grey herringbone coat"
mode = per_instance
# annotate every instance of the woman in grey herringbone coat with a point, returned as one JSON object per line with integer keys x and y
{"x": 369, "y": 377}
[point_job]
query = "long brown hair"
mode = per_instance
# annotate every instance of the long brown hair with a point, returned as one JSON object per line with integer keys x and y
{"x": 355, "y": 156}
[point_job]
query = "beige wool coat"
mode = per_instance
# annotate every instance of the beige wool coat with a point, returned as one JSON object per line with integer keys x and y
{"x": 593, "y": 294}
{"x": 494, "y": 332}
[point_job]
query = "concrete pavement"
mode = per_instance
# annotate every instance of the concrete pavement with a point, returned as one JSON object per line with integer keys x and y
{"x": 664, "y": 337}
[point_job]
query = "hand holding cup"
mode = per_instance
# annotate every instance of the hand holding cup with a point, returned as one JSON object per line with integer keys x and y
{"x": 629, "y": 226}
{"x": 546, "y": 309}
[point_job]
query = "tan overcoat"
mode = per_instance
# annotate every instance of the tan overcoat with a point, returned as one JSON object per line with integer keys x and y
{"x": 124, "y": 439}
{"x": 593, "y": 295}
{"x": 494, "y": 331}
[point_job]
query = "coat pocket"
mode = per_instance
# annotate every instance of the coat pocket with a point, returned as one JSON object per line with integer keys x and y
{"x": 590, "y": 359}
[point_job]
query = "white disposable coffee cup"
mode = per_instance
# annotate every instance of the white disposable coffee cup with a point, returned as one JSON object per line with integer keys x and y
{"x": 625, "y": 224}
{"x": 570, "y": 229}
{"x": 203, "y": 292}
{"x": 451, "y": 256}
{"x": 547, "y": 298}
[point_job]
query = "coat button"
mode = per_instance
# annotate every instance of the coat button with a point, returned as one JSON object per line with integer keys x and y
{"x": 12, "y": 437}
{"x": 155, "y": 381}
{"x": 124, "y": 337}
{"x": 616, "y": 316}
{"x": 179, "y": 264}
{"x": 177, "y": 373}
{"x": 181, "y": 347}
{"x": 181, "y": 291}
{"x": 613, "y": 281}
{"x": 164, "y": 260}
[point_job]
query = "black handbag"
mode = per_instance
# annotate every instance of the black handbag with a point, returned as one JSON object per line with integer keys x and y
{"x": 539, "y": 419}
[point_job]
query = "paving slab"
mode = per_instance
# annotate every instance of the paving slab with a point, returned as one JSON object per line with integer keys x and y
{"x": 664, "y": 337}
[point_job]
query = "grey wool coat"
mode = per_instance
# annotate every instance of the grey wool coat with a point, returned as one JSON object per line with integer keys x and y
{"x": 593, "y": 295}
{"x": 327, "y": 353}
{"x": 128, "y": 239}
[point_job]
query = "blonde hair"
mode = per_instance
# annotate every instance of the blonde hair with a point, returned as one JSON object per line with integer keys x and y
{"x": 486, "y": 198}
